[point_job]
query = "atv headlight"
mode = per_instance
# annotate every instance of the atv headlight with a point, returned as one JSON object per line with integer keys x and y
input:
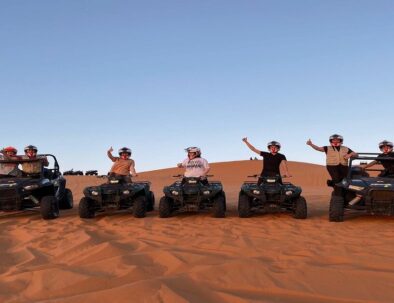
{"x": 289, "y": 193}
{"x": 175, "y": 193}
{"x": 30, "y": 187}
{"x": 126, "y": 192}
{"x": 357, "y": 188}
{"x": 192, "y": 181}
{"x": 94, "y": 192}
{"x": 56, "y": 183}
{"x": 114, "y": 181}
{"x": 256, "y": 192}
{"x": 206, "y": 192}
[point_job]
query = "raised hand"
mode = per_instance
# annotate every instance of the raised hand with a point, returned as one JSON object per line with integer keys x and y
{"x": 245, "y": 139}
{"x": 309, "y": 142}
{"x": 111, "y": 149}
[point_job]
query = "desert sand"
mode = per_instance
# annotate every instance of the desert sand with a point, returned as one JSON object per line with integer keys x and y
{"x": 197, "y": 258}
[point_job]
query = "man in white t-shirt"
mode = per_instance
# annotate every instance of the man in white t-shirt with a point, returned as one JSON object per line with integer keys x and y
{"x": 194, "y": 165}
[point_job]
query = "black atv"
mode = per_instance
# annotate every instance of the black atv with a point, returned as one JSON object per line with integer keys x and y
{"x": 73, "y": 172}
{"x": 91, "y": 173}
{"x": 271, "y": 195}
{"x": 116, "y": 194}
{"x": 193, "y": 194}
{"x": 363, "y": 193}
{"x": 45, "y": 191}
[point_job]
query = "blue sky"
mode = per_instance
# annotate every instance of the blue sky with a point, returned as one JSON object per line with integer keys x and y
{"x": 158, "y": 76}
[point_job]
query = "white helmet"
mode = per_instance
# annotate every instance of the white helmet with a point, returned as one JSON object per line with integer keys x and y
{"x": 385, "y": 143}
{"x": 336, "y": 136}
{"x": 193, "y": 149}
{"x": 274, "y": 143}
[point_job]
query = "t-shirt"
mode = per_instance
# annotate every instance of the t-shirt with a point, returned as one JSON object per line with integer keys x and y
{"x": 122, "y": 166}
{"x": 337, "y": 148}
{"x": 271, "y": 163}
{"x": 195, "y": 167}
{"x": 387, "y": 164}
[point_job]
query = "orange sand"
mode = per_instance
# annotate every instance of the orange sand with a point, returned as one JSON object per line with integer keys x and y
{"x": 197, "y": 258}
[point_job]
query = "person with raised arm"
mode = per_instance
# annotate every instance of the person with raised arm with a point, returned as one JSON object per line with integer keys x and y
{"x": 273, "y": 161}
{"x": 337, "y": 157}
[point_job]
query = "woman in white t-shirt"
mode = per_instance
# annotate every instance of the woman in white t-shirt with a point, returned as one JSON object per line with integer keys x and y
{"x": 194, "y": 165}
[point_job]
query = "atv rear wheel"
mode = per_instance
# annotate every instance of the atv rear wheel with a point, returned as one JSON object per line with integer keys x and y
{"x": 86, "y": 208}
{"x": 49, "y": 207}
{"x": 244, "y": 206}
{"x": 151, "y": 202}
{"x": 139, "y": 207}
{"x": 300, "y": 208}
{"x": 219, "y": 206}
{"x": 337, "y": 208}
{"x": 67, "y": 202}
{"x": 165, "y": 207}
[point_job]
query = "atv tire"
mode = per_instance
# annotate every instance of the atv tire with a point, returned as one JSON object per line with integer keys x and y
{"x": 219, "y": 206}
{"x": 49, "y": 207}
{"x": 67, "y": 202}
{"x": 165, "y": 207}
{"x": 139, "y": 207}
{"x": 244, "y": 206}
{"x": 337, "y": 208}
{"x": 300, "y": 208}
{"x": 86, "y": 208}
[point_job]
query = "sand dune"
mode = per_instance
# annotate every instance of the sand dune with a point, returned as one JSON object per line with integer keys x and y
{"x": 197, "y": 258}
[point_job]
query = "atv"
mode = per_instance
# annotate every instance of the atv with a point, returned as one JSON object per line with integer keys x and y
{"x": 91, "y": 173}
{"x": 271, "y": 195}
{"x": 361, "y": 192}
{"x": 45, "y": 190}
{"x": 116, "y": 194}
{"x": 72, "y": 172}
{"x": 193, "y": 194}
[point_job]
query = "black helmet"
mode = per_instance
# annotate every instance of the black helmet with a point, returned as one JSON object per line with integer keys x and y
{"x": 274, "y": 143}
{"x": 336, "y": 136}
{"x": 124, "y": 150}
{"x": 31, "y": 147}
{"x": 385, "y": 143}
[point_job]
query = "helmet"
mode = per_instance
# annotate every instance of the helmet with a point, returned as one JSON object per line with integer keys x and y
{"x": 274, "y": 143}
{"x": 385, "y": 143}
{"x": 31, "y": 147}
{"x": 193, "y": 149}
{"x": 10, "y": 149}
{"x": 336, "y": 136}
{"x": 124, "y": 150}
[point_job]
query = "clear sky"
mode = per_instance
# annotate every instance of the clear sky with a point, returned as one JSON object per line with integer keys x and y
{"x": 79, "y": 76}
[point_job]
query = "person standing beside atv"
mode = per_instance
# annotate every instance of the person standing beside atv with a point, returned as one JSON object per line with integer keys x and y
{"x": 336, "y": 159}
{"x": 273, "y": 161}
{"x": 123, "y": 166}
{"x": 36, "y": 166}
{"x": 195, "y": 166}
{"x": 9, "y": 153}
{"x": 386, "y": 147}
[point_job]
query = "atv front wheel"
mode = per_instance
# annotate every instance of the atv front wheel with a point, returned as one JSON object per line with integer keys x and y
{"x": 86, "y": 208}
{"x": 219, "y": 206}
{"x": 337, "y": 208}
{"x": 139, "y": 207}
{"x": 244, "y": 206}
{"x": 300, "y": 208}
{"x": 67, "y": 202}
{"x": 165, "y": 207}
{"x": 49, "y": 207}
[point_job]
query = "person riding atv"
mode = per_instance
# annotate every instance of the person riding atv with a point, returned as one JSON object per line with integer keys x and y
{"x": 195, "y": 166}
{"x": 124, "y": 166}
{"x": 273, "y": 161}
